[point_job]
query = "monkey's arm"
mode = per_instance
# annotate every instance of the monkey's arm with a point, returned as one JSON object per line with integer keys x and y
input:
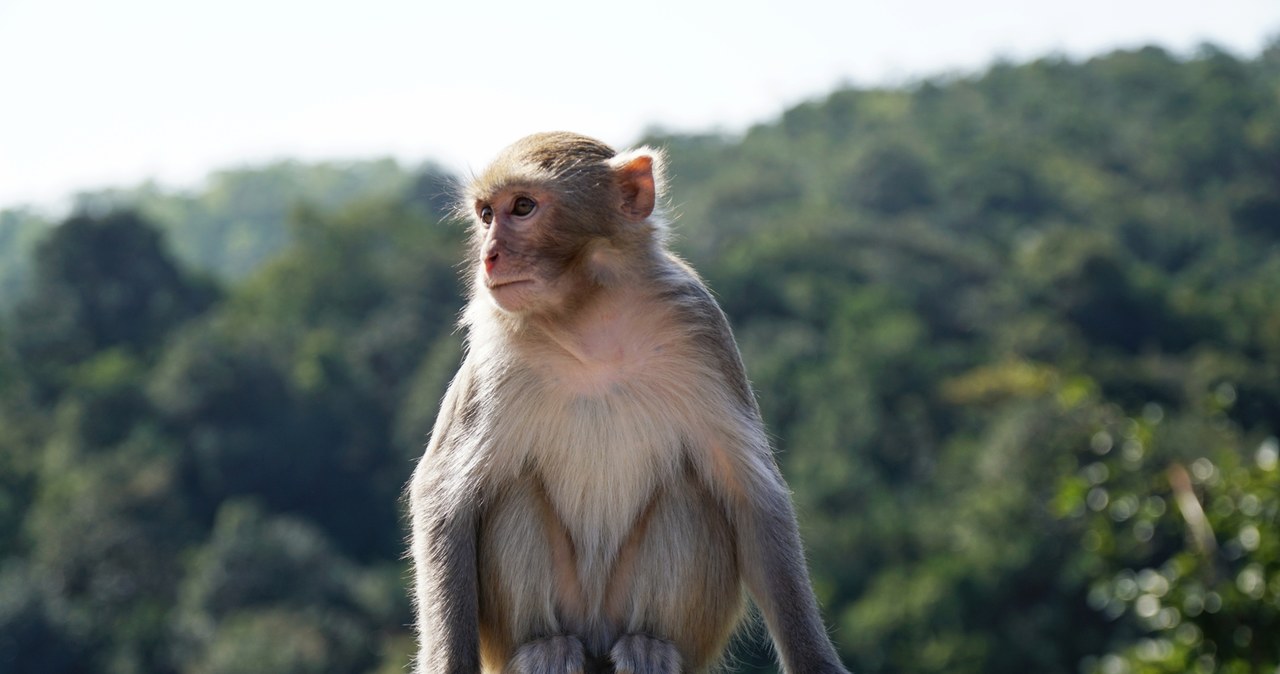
{"x": 443, "y": 510}
{"x": 770, "y": 553}
{"x": 771, "y": 557}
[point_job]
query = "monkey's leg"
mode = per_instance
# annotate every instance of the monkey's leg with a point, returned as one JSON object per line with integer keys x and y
{"x": 643, "y": 654}
{"x": 552, "y": 655}
{"x": 675, "y": 594}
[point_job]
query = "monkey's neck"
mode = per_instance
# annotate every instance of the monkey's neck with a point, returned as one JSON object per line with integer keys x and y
{"x": 572, "y": 347}
{"x": 609, "y": 339}
{"x": 608, "y": 330}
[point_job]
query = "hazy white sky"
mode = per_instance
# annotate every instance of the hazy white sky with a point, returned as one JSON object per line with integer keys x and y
{"x": 97, "y": 93}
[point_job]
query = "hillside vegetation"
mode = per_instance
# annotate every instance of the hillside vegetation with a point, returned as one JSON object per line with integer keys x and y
{"x": 1016, "y": 335}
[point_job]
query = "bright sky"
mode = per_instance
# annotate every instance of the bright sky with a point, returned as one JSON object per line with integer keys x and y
{"x": 98, "y": 93}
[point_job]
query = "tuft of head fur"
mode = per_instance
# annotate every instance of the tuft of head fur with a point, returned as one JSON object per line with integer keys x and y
{"x": 557, "y": 156}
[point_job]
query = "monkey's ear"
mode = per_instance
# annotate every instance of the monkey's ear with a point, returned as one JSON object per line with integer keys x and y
{"x": 638, "y": 174}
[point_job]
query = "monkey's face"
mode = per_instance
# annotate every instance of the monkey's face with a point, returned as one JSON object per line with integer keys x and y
{"x": 556, "y": 217}
{"x": 515, "y": 266}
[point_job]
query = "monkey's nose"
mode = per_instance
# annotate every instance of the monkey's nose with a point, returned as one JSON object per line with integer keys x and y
{"x": 490, "y": 261}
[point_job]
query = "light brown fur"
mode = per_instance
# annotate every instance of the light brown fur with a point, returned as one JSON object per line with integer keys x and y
{"x": 598, "y": 489}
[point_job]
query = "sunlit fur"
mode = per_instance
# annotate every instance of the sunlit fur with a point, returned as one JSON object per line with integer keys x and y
{"x": 598, "y": 486}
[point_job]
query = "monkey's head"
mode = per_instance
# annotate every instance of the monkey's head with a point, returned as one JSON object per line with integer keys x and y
{"x": 559, "y": 216}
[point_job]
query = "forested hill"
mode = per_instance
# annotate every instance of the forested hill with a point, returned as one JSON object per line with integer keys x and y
{"x": 1016, "y": 334}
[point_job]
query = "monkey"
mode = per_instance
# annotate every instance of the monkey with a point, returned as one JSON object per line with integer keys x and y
{"x": 598, "y": 492}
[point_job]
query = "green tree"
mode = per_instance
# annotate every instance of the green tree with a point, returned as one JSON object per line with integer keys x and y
{"x": 100, "y": 282}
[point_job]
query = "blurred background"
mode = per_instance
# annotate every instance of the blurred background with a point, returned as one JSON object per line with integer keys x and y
{"x": 1006, "y": 279}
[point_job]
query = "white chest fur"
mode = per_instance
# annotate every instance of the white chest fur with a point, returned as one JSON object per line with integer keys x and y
{"x": 604, "y": 416}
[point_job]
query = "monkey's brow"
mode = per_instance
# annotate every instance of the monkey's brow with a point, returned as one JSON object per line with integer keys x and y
{"x": 490, "y": 189}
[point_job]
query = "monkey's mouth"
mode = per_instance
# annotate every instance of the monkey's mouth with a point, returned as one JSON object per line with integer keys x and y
{"x": 495, "y": 284}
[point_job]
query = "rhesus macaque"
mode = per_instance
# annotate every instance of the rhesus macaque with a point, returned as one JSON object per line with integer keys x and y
{"x": 598, "y": 489}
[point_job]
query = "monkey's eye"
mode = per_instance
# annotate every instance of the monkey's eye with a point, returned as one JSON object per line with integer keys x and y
{"x": 486, "y": 215}
{"x": 523, "y": 206}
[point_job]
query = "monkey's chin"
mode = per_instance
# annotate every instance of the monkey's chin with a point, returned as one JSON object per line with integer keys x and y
{"x": 513, "y": 296}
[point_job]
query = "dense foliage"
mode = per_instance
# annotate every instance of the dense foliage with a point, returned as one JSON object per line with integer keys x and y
{"x": 1017, "y": 336}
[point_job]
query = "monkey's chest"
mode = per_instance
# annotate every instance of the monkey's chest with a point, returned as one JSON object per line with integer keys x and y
{"x": 600, "y": 457}
{"x": 574, "y": 484}
{"x": 603, "y": 431}
{"x": 603, "y": 489}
